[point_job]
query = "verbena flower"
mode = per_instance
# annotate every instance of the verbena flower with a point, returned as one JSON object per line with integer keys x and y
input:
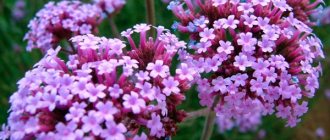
{"x": 262, "y": 134}
{"x": 18, "y": 11}
{"x": 327, "y": 93}
{"x": 303, "y": 9}
{"x": 260, "y": 57}
{"x": 62, "y": 20}
{"x": 246, "y": 122}
{"x": 110, "y": 7}
{"x": 107, "y": 90}
{"x": 320, "y": 133}
{"x": 323, "y": 16}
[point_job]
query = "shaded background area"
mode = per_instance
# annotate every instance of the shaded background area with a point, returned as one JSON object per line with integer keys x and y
{"x": 15, "y": 61}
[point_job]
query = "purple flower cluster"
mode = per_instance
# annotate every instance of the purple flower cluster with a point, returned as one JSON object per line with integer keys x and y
{"x": 247, "y": 58}
{"x": 258, "y": 57}
{"x": 18, "y": 11}
{"x": 319, "y": 132}
{"x": 302, "y": 9}
{"x": 324, "y": 17}
{"x": 63, "y": 20}
{"x": 105, "y": 91}
{"x": 246, "y": 122}
{"x": 110, "y": 7}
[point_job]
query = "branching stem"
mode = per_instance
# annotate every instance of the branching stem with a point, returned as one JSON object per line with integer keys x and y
{"x": 209, "y": 122}
{"x": 197, "y": 113}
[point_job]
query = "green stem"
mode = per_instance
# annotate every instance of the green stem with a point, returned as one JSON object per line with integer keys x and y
{"x": 209, "y": 122}
{"x": 72, "y": 47}
{"x": 197, "y": 113}
{"x": 151, "y": 18}
{"x": 114, "y": 28}
{"x": 208, "y": 126}
{"x": 67, "y": 51}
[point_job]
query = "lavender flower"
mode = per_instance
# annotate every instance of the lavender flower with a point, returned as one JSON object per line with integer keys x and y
{"x": 261, "y": 60}
{"x": 303, "y": 9}
{"x": 57, "y": 21}
{"x": 323, "y": 16}
{"x": 261, "y": 134}
{"x": 319, "y": 132}
{"x": 102, "y": 92}
{"x": 110, "y": 7}
{"x": 327, "y": 93}
{"x": 18, "y": 11}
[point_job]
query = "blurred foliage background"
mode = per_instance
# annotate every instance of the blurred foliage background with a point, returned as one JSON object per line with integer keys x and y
{"x": 15, "y": 61}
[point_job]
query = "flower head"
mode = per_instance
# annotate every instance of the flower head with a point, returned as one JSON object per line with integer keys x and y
{"x": 18, "y": 11}
{"x": 62, "y": 20}
{"x": 320, "y": 133}
{"x": 322, "y": 16}
{"x": 109, "y": 93}
{"x": 110, "y": 7}
{"x": 261, "y": 57}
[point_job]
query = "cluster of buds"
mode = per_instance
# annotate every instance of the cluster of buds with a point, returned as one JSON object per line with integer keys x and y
{"x": 105, "y": 91}
{"x": 63, "y": 20}
{"x": 258, "y": 57}
{"x": 110, "y": 7}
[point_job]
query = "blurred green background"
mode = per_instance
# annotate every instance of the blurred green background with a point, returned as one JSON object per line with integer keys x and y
{"x": 15, "y": 61}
